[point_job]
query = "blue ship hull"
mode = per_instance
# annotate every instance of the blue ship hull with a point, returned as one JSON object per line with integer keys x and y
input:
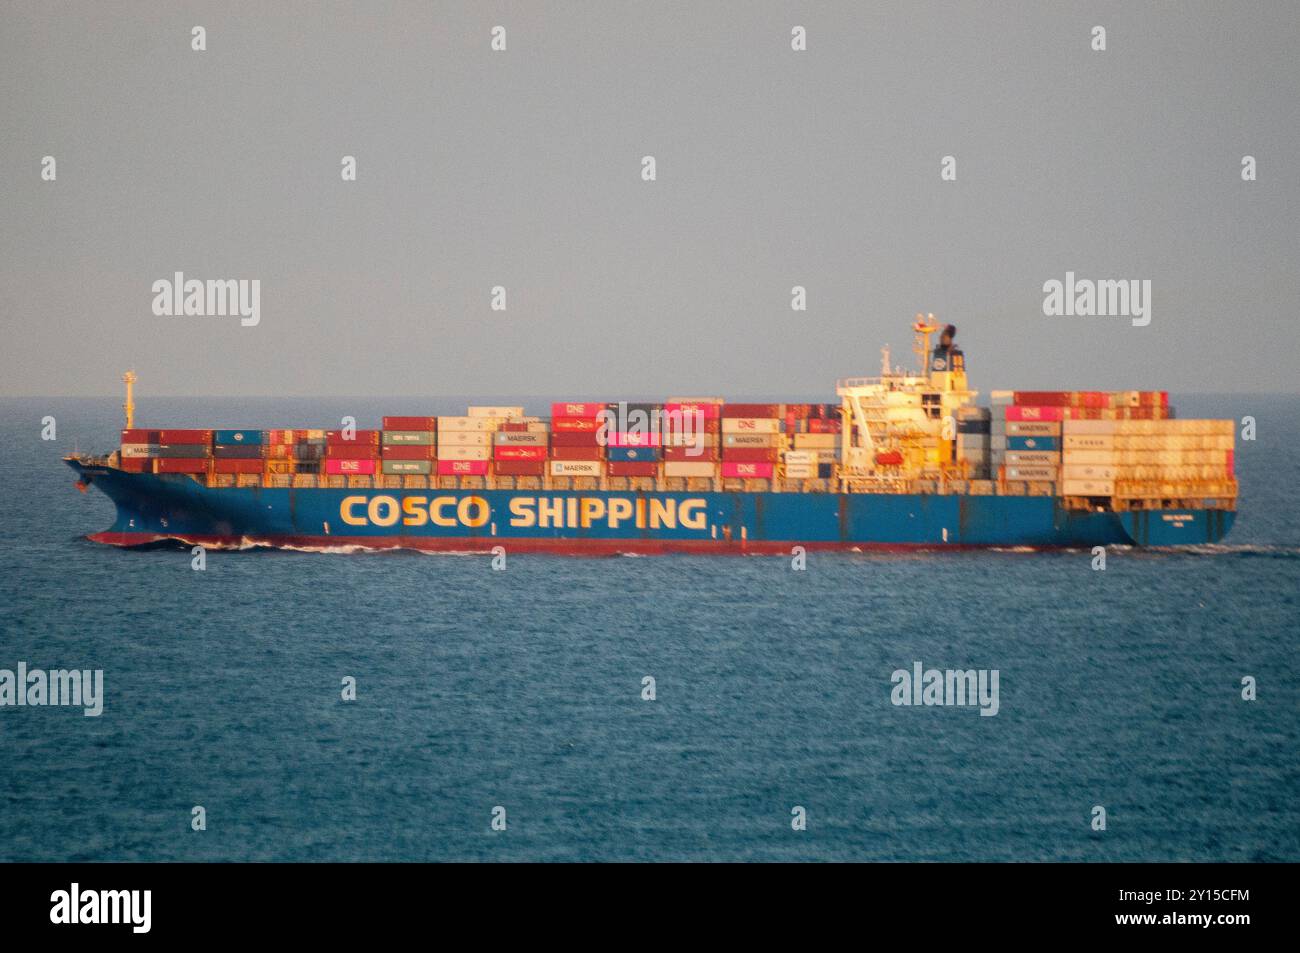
{"x": 156, "y": 508}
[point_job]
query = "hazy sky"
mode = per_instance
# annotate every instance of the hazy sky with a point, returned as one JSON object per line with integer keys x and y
{"x": 523, "y": 169}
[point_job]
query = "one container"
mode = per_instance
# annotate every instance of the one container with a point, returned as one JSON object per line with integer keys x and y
{"x": 345, "y": 466}
{"x": 750, "y": 425}
{"x": 1034, "y": 413}
{"x": 462, "y": 467}
{"x": 747, "y": 471}
{"x": 577, "y": 409}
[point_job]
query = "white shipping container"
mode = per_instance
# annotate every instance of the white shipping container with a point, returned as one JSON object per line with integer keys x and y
{"x": 1084, "y": 472}
{"x": 577, "y": 467}
{"x": 751, "y": 425}
{"x": 1088, "y": 487}
{"x": 1032, "y": 428}
{"x": 1148, "y": 458}
{"x": 816, "y": 441}
{"x": 695, "y": 439}
{"x": 464, "y": 438}
{"x": 468, "y": 424}
{"x": 506, "y": 412}
{"x": 1002, "y": 398}
{"x": 800, "y": 471}
{"x": 1046, "y": 474}
{"x": 687, "y": 468}
{"x": 1031, "y": 458}
{"x": 1089, "y": 442}
{"x": 1173, "y": 442}
{"x": 800, "y": 458}
{"x": 464, "y": 453}
{"x": 135, "y": 451}
{"x": 518, "y": 438}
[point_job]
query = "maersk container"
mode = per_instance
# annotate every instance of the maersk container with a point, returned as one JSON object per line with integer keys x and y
{"x": 238, "y": 437}
{"x": 689, "y": 469}
{"x": 576, "y": 467}
{"x": 1044, "y": 474}
{"x": 407, "y": 466}
{"x": 421, "y": 438}
{"x": 633, "y": 454}
{"x": 462, "y": 467}
{"x": 515, "y": 438}
{"x": 1033, "y": 428}
{"x": 1031, "y": 458}
{"x": 1033, "y": 443}
{"x": 753, "y": 440}
{"x": 139, "y": 451}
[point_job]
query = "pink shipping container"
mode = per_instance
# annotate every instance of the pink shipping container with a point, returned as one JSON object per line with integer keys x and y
{"x": 619, "y": 439}
{"x": 1035, "y": 413}
{"x": 361, "y": 467}
{"x": 462, "y": 467}
{"x": 746, "y": 470}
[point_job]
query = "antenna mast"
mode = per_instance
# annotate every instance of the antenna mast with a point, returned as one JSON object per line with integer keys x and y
{"x": 129, "y": 379}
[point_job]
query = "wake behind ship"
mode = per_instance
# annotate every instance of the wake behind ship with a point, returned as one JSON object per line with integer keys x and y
{"x": 903, "y": 460}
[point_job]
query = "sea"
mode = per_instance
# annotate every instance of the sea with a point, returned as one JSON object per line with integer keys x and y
{"x": 503, "y": 715}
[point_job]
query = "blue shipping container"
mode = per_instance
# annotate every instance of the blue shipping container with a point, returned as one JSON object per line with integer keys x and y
{"x": 1033, "y": 443}
{"x": 239, "y": 437}
{"x": 634, "y": 454}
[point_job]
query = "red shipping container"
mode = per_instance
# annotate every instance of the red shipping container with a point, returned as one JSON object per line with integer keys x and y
{"x": 141, "y": 436}
{"x": 236, "y": 466}
{"x": 518, "y": 453}
{"x": 350, "y": 452}
{"x": 335, "y": 437}
{"x": 799, "y": 411}
{"x": 518, "y": 467}
{"x": 749, "y": 454}
{"x": 820, "y": 425}
{"x": 409, "y": 452}
{"x": 184, "y": 436}
{"x": 577, "y": 453}
{"x": 747, "y": 470}
{"x": 574, "y": 440}
{"x": 1045, "y": 412}
{"x": 349, "y": 467}
{"x": 631, "y": 468}
{"x": 751, "y": 410}
{"x": 708, "y": 411}
{"x": 1230, "y": 463}
{"x": 137, "y": 465}
{"x": 514, "y": 428}
{"x": 185, "y": 464}
{"x": 462, "y": 467}
{"x": 427, "y": 424}
{"x": 574, "y": 424}
{"x": 588, "y": 410}
{"x": 704, "y": 454}
{"x": 1044, "y": 398}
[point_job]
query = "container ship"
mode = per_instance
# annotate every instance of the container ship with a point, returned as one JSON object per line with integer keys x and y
{"x": 909, "y": 459}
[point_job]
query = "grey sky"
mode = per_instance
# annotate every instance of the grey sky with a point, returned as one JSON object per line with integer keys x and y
{"x": 522, "y": 169}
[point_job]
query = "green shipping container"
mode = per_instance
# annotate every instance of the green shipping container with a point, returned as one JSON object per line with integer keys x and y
{"x": 408, "y": 466}
{"x": 414, "y": 438}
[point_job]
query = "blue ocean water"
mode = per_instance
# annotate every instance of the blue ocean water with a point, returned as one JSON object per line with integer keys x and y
{"x": 522, "y": 688}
